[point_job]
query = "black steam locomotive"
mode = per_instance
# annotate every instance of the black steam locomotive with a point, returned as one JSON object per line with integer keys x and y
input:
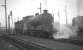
{"x": 39, "y": 25}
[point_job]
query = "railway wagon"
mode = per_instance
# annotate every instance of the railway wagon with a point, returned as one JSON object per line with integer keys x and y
{"x": 78, "y": 22}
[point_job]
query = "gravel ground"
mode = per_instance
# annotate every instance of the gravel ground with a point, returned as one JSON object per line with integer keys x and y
{"x": 6, "y": 45}
{"x": 52, "y": 44}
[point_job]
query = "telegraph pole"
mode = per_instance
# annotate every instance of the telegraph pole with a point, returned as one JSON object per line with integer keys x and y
{"x": 5, "y": 6}
{"x": 5, "y": 15}
{"x": 40, "y": 8}
{"x": 58, "y": 15}
{"x": 66, "y": 13}
{"x": 9, "y": 22}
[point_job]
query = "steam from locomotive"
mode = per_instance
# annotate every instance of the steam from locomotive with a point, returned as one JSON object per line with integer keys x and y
{"x": 64, "y": 31}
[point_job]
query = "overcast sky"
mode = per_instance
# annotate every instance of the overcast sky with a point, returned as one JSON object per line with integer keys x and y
{"x": 21, "y": 8}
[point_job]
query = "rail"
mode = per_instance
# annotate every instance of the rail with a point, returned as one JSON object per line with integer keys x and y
{"x": 22, "y": 45}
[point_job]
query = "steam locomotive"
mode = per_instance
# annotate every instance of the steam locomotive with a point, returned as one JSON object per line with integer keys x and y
{"x": 39, "y": 25}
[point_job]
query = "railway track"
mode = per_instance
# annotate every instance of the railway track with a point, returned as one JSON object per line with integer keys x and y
{"x": 69, "y": 41}
{"x": 22, "y": 45}
{"x": 32, "y": 43}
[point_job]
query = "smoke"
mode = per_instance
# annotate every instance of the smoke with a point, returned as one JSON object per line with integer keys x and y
{"x": 64, "y": 31}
